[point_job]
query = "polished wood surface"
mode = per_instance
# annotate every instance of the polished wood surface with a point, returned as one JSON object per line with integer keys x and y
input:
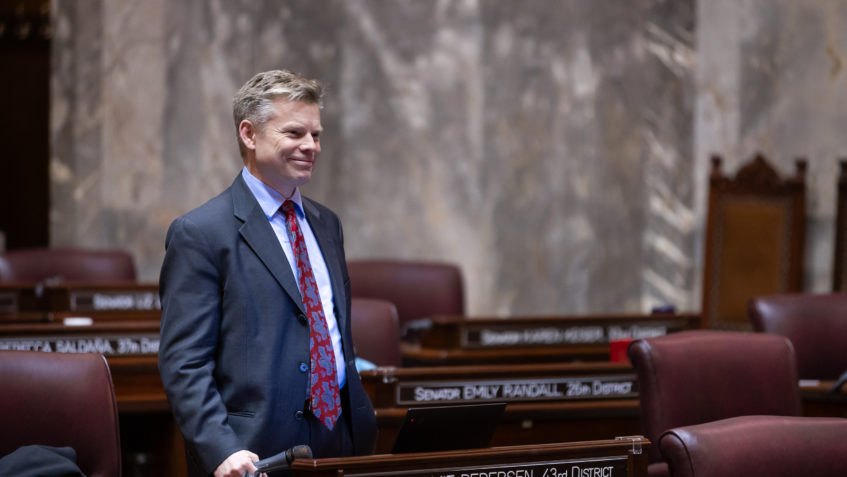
{"x": 611, "y": 458}
{"x": 571, "y": 401}
{"x": 152, "y": 444}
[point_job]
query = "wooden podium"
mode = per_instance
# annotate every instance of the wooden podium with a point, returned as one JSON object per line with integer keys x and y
{"x": 546, "y": 403}
{"x": 620, "y": 457}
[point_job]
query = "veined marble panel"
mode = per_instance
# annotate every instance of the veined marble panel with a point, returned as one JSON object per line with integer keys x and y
{"x": 544, "y": 145}
{"x": 525, "y": 140}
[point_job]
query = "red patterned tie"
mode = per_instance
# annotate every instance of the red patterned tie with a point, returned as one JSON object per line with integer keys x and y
{"x": 325, "y": 400}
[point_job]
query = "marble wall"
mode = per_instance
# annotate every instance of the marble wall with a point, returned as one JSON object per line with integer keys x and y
{"x": 557, "y": 150}
{"x": 772, "y": 77}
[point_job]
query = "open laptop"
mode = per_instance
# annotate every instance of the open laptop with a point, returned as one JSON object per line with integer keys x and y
{"x": 440, "y": 428}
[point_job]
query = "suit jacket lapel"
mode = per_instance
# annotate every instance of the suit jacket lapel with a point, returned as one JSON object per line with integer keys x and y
{"x": 325, "y": 234}
{"x": 257, "y": 232}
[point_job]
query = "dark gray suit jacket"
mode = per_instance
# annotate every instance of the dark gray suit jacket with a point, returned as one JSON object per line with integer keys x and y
{"x": 234, "y": 333}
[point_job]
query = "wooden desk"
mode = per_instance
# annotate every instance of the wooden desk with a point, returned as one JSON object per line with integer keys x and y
{"x": 125, "y": 329}
{"x": 130, "y": 348}
{"x": 625, "y": 457}
{"x": 819, "y": 401}
{"x": 456, "y": 340}
{"x": 39, "y": 303}
{"x": 150, "y": 440}
{"x": 545, "y": 402}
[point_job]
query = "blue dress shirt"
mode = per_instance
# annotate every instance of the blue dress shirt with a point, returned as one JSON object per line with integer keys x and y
{"x": 270, "y": 201}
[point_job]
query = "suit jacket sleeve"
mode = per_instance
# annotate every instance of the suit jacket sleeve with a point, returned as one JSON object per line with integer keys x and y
{"x": 190, "y": 284}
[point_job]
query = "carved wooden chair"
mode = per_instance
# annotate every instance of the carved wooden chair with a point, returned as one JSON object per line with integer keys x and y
{"x": 755, "y": 235}
{"x": 839, "y": 265}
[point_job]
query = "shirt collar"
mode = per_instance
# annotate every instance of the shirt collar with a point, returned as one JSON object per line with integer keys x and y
{"x": 269, "y": 199}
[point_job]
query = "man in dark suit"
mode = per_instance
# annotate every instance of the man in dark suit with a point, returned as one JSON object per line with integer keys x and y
{"x": 256, "y": 351}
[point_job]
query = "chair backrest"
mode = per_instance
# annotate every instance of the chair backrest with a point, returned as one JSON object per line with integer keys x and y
{"x": 417, "y": 289}
{"x": 755, "y": 232}
{"x": 700, "y": 376}
{"x": 752, "y": 446}
{"x": 66, "y": 264}
{"x": 376, "y": 333}
{"x": 61, "y": 399}
{"x": 816, "y": 324}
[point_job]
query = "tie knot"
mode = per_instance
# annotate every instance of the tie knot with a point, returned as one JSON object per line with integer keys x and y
{"x": 288, "y": 208}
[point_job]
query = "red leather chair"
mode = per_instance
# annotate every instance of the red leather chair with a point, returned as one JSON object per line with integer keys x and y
{"x": 816, "y": 324}
{"x": 753, "y": 446}
{"x": 61, "y": 400}
{"x": 66, "y": 264}
{"x": 376, "y": 334}
{"x": 417, "y": 289}
{"x": 698, "y": 376}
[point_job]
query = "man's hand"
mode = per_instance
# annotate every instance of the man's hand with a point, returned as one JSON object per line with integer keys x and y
{"x": 237, "y": 465}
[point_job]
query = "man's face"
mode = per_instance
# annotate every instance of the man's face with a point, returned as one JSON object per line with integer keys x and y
{"x": 286, "y": 148}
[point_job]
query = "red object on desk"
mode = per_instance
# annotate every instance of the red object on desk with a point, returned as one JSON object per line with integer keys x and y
{"x": 617, "y": 350}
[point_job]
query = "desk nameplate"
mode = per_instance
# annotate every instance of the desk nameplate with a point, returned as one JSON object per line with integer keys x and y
{"x": 8, "y": 302}
{"x": 526, "y": 335}
{"x": 84, "y": 301}
{"x": 19, "y": 302}
{"x": 615, "y": 466}
{"x": 516, "y": 390}
{"x": 108, "y": 345}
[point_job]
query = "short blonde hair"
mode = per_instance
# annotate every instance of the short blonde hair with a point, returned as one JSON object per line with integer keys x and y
{"x": 254, "y": 101}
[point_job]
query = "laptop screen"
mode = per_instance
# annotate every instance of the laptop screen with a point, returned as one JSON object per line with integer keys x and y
{"x": 440, "y": 428}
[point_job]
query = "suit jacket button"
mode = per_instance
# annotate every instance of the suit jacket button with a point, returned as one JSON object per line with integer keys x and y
{"x": 298, "y": 415}
{"x": 304, "y": 367}
{"x": 302, "y": 318}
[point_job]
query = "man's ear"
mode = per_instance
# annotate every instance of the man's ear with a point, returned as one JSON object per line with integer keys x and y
{"x": 248, "y": 134}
